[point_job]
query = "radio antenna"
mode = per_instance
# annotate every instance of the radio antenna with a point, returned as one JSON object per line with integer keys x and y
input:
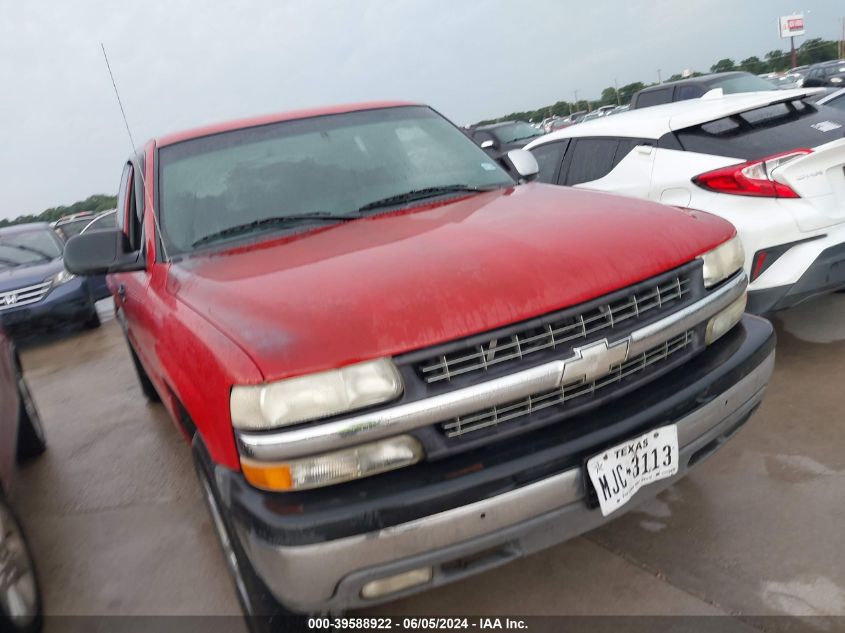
{"x": 132, "y": 147}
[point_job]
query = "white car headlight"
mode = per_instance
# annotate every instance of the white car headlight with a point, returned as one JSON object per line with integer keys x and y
{"x": 315, "y": 396}
{"x": 723, "y": 261}
{"x": 61, "y": 277}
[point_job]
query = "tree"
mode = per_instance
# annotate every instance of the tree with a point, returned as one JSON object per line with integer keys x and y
{"x": 627, "y": 91}
{"x": 608, "y": 96}
{"x": 777, "y": 61}
{"x": 753, "y": 65}
{"x": 817, "y": 50}
{"x": 723, "y": 65}
{"x": 95, "y": 203}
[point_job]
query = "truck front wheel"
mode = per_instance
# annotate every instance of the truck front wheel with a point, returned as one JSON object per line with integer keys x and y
{"x": 262, "y": 611}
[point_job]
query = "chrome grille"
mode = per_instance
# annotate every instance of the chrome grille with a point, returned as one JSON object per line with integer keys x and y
{"x": 561, "y": 395}
{"x": 24, "y": 296}
{"x": 564, "y": 331}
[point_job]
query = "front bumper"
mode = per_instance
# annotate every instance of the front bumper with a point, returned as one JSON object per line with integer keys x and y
{"x": 68, "y": 303}
{"x": 826, "y": 274}
{"x": 316, "y": 552}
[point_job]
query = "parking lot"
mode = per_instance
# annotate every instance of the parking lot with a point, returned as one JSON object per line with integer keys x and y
{"x": 118, "y": 526}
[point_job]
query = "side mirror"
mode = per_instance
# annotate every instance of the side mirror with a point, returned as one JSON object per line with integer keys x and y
{"x": 523, "y": 163}
{"x": 101, "y": 252}
{"x": 488, "y": 144}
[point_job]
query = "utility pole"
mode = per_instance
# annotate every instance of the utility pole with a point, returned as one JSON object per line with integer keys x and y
{"x": 616, "y": 88}
{"x": 659, "y": 80}
{"x": 576, "y": 101}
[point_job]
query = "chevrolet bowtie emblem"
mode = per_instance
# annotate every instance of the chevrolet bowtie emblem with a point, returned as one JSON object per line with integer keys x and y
{"x": 594, "y": 361}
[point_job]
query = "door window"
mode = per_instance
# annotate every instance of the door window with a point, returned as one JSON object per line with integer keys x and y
{"x": 591, "y": 159}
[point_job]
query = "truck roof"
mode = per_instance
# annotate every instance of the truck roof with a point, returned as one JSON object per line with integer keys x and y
{"x": 237, "y": 124}
{"x": 655, "y": 121}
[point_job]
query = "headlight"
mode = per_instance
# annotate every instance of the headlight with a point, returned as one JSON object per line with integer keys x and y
{"x": 61, "y": 277}
{"x": 315, "y": 396}
{"x": 334, "y": 468}
{"x": 723, "y": 261}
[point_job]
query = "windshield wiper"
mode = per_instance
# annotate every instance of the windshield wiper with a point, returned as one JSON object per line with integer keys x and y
{"x": 420, "y": 194}
{"x": 272, "y": 222}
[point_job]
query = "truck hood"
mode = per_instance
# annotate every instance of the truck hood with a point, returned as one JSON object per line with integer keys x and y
{"x": 23, "y": 276}
{"x": 401, "y": 281}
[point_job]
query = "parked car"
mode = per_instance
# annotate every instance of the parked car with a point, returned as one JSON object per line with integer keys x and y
{"x": 21, "y": 438}
{"x": 590, "y": 116}
{"x": 830, "y": 73}
{"x": 832, "y": 98}
{"x": 104, "y": 220}
{"x": 605, "y": 109}
{"x": 71, "y": 225}
{"x": 769, "y": 162}
{"x": 559, "y": 124}
{"x": 695, "y": 87}
{"x": 783, "y": 81}
{"x": 546, "y": 124}
{"x": 36, "y": 291}
{"x": 417, "y": 367}
{"x": 498, "y": 139}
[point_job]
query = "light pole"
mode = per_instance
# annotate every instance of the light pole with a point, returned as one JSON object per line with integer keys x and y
{"x": 659, "y": 80}
{"x": 576, "y": 101}
{"x": 616, "y": 88}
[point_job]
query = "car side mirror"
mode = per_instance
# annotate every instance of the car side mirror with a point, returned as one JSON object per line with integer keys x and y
{"x": 488, "y": 144}
{"x": 523, "y": 163}
{"x": 101, "y": 252}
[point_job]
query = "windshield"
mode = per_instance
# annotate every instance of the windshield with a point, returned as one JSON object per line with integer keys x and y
{"x": 741, "y": 83}
{"x": 519, "y": 131}
{"x": 29, "y": 247}
{"x": 329, "y": 165}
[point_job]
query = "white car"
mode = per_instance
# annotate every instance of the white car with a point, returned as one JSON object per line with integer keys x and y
{"x": 769, "y": 162}
{"x": 835, "y": 99}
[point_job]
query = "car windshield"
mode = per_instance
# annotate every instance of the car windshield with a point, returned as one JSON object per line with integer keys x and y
{"x": 28, "y": 247}
{"x": 519, "y": 131}
{"x": 315, "y": 169}
{"x": 741, "y": 83}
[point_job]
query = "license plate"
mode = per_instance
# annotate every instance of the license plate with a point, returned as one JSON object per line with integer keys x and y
{"x": 620, "y": 471}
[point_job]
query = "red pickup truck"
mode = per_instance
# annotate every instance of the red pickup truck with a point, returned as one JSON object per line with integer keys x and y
{"x": 399, "y": 362}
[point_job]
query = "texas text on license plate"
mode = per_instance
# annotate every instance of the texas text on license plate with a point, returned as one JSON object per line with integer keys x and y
{"x": 621, "y": 470}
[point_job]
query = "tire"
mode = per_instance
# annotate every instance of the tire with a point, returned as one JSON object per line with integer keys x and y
{"x": 93, "y": 322}
{"x": 262, "y": 612}
{"x": 31, "y": 439}
{"x": 144, "y": 381}
{"x": 20, "y": 595}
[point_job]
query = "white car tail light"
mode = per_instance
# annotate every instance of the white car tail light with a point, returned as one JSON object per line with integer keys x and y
{"x": 753, "y": 178}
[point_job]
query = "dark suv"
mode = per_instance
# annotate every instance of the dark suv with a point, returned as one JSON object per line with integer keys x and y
{"x": 830, "y": 73}
{"x": 696, "y": 87}
{"x": 35, "y": 289}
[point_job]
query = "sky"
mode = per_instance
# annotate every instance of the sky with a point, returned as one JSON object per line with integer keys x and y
{"x": 184, "y": 63}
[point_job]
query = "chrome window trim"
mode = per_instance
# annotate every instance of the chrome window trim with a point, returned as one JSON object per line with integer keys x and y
{"x": 373, "y": 425}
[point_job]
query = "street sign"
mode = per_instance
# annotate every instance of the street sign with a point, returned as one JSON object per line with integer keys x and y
{"x": 791, "y": 25}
